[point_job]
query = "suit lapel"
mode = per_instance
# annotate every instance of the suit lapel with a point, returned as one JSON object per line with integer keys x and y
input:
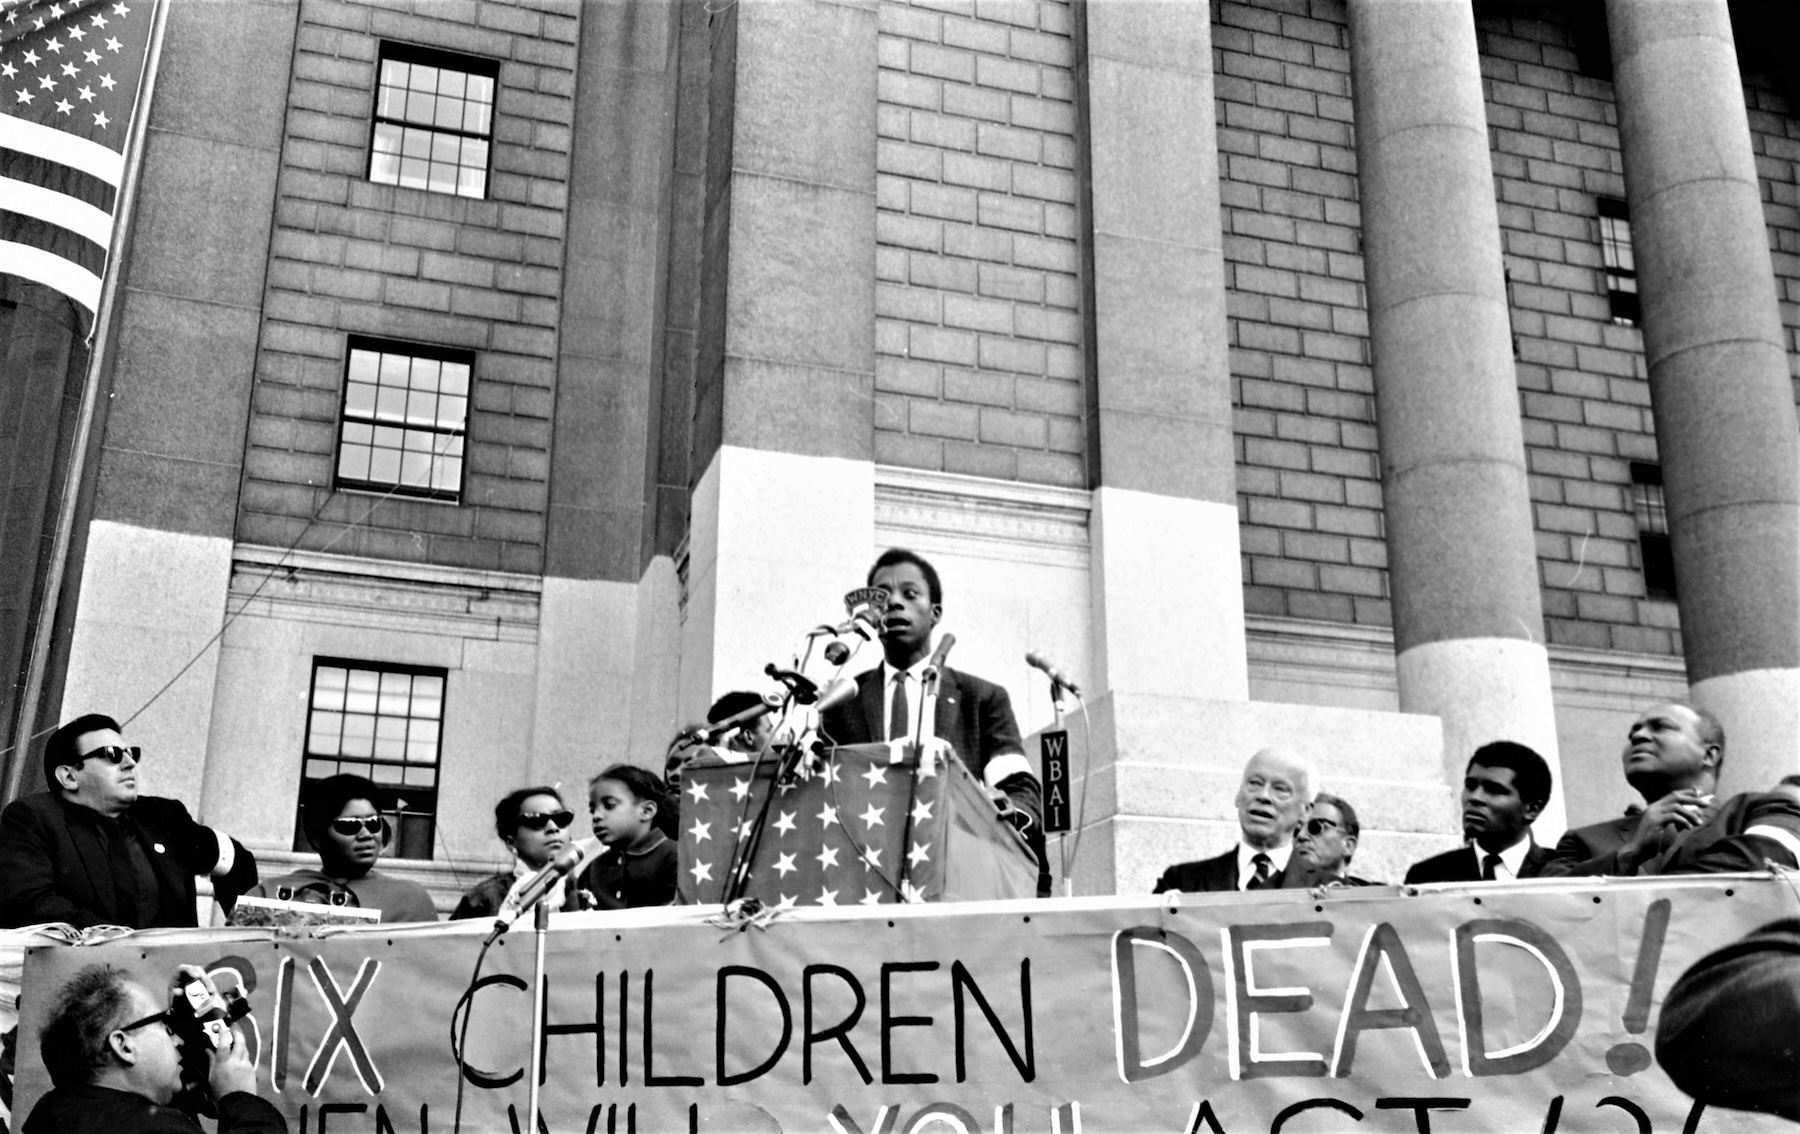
{"x": 874, "y": 719}
{"x": 949, "y": 706}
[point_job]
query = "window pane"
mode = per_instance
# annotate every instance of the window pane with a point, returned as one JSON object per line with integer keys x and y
{"x": 391, "y": 745}
{"x": 442, "y": 178}
{"x": 415, "y": 142}
{"x": 452, "y": 83}
{"x": 359, "y": 734}
{"x": 414, "y": 172}
{"x": 390, "y": 737}
{"x": 476, "y": 116}
{"x": 481, "y": 88}
{"x": 353, "y": 462}
{"x": 449, "y": 113}
{"x": 384, "y": 465}
{"x": 328, "y": 687}
{"x": 322, "y": 735}
{"x": 360, "y": 695}
{"x": 360, "y": 401}
{"x": 455, "y": 378}
{"x": 425, "y": 373}
{"x": 423, "y": 78}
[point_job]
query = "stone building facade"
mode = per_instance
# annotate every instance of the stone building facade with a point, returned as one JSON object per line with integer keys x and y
{"x": 1289, "y": 371}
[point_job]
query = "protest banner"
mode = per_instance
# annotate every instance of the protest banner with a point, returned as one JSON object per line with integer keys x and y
{"x": 1526, "y": 1007}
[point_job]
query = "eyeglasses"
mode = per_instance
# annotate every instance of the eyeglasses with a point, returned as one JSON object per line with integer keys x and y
{"x": 115, "y": 754}
{"x": 538, "y": 820}
{"x": 155, "y": 1018}
{"x": 352, "y": 826}
{"x": 1316, "y": 827}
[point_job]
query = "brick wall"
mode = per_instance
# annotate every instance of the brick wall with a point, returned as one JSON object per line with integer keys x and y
{"x": 1308, "y": 471}
{"x": 349, "y": 256}
{"x": 1309, "y": 487}
{"x": 977, "y": 329}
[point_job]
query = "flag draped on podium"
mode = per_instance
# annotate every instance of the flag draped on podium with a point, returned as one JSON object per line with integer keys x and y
{"x": 70, "y": 76}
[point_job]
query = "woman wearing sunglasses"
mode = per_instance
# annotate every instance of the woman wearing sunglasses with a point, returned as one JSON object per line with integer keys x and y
{"x": 534, "y": 825}
{"x": 341, "y": 822}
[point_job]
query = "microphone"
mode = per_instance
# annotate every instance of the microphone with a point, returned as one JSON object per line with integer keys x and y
{"x": 1038, "y": 661}
{"x": 839, "y": 691}
{"x": 706, "y": 734}
{"x": 938, "y": 655}
{"x": 556, "y": 869}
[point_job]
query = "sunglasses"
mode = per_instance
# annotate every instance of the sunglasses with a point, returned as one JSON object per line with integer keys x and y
{"x": 1317, "y": 827}
{"x": 538, "y": 820}
{"x": 114, "y": 754}
{"x": 352, "y": 826}
{"x": 155, "y": 1018}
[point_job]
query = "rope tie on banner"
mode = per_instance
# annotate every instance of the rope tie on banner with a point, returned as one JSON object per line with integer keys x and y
{"x": 744, "y": 914}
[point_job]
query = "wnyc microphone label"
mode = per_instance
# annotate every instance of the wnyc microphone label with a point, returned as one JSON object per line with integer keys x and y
{"x": 1516, "y": 1007}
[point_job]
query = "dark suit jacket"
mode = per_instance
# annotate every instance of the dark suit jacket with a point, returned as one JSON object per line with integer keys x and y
{"x": 976, "y": 717}
{"x": 1461, "y": 865}
{"x": 1591, "y": 850}
{"x": 1219, "y": 875}
{"x": 60, "y": 862}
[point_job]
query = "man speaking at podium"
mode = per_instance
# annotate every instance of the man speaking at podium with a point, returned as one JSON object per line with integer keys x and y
{"x": 975, "y": 716}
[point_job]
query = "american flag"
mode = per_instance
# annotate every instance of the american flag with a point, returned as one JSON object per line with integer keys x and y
{"x": 859, "y": 829}
{"x": 70, "y": 73}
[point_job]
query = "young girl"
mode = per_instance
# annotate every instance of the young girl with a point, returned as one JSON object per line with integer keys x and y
{"x": 641, "y": 868}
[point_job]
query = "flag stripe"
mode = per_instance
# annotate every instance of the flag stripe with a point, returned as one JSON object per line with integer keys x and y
{"x": 52, "y": 271}
{"x": 62, "y": 148}
{"x": 54, "y": 239}
{"x": 57, "y": 208}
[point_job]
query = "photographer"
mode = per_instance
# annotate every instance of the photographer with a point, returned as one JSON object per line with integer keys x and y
{"x": 115, "y": 1060}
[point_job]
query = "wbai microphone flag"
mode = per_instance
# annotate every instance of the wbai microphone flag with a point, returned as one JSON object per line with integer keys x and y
{"x": 70, "y": 75}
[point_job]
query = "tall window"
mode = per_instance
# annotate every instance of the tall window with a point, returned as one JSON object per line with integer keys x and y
{"x": 384, "y": 722}
{"x": 1653, "y": 530}
{"x": 434, "y": 120}
{"x": 405, "y": 411}
{"x": 1621, "y": 268}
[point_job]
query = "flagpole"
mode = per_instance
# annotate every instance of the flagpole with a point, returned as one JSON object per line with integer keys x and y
{"x": 99, "y": 339}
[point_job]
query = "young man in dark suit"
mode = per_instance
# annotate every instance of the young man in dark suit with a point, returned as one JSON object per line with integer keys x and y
{"x": 1672, "y": 757}
{"x": 975, "y": 716}
{"x": 92, "y": 851}
{"x": 1272, "y": 800}
{"x": 1505, "y": 788}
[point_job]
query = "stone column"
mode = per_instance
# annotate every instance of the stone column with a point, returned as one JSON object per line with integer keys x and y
{"x": 1719, "y": 384}
{"x": 1468, "y": 620}
{"x": 782, "y": 516}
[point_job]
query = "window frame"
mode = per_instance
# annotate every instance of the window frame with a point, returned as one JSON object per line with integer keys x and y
{"x": 400, "y": 51}
{"x": 1649, "y": 508}
{"x": 1626, "y": 308}
{"x": 389, "y": 796}
{"x": 398, "y": 487}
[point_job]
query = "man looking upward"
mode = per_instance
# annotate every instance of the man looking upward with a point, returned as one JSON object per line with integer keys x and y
{"x": 1672, "y": 757}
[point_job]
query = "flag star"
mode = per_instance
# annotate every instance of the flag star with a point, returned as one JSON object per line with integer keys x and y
{"x": 740, "y": 789}
{"x": 827, "y": 857}
{"x": 108, "y": 82}
{"x": 31, "y": 57}
{"x": 38, "y": 23}
{"x": 45, "y": 82}
{"x": 64, "y": 106}
{"x": 869, "y": 898}
{"x": 700, "y": 831}
{"x": 828, "y": 816}
{"x": 911, "y": 893}
{"x": 12, "y": 17}
{"x": 830, "y": 772}
{"x": 827, "y": 897}
{"x": 786, "y": 903}
{"x": 86, "y": 93}
{"x": 24, "y": 96}
{"x": 918, "y": 854}
{"x": 91, "y": 56}
{"x": 68, "y": 70}
{"x": 7, "y": 70}
{"x": 871, "y": 816}
{"x": 701, "y": 872}
{"x": 76, "y": 34}
{"x": 697, "y": 790}
{"x": 785, "y": 822}
{"x": 871, "y": 858}
{"x": 927, "y": 768}
{"x": 784, "y": 864}
{"x": 97, "y": 21}
{"x": 921, "y": 812}
{"x": 745, "y": 828}
{"x": 54, "y": 44}
{"x": 113, "y": 45}
{"x": 56, "y": 11}
{"x": 121, "y": 10}
{"x": 875, "y": 775}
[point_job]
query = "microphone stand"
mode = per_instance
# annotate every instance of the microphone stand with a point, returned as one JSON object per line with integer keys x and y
{"x": 924, "y": 733}
{"x": 540, "y": 926}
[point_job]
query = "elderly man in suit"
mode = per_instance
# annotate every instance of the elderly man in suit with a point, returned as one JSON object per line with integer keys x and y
{"x": 1672, "y": 757}
{"x": 1272, "y": 799}
{"x": 974, "y": 715}
{"x": 1505, "y": 788}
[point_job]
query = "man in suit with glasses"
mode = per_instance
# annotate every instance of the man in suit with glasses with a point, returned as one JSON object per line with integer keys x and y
{"x": 92, "y": 851}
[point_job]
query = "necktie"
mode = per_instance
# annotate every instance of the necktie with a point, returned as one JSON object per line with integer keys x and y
{"x": 897, "y": 715}
{"x": 1264, "y": 866}
{"x": 1488, "y": 862}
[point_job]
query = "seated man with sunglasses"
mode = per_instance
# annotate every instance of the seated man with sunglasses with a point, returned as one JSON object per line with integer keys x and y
{"x": 114, "y": 1058}
{"x": 92, "y": 851}
{"x": 341, "y": 822}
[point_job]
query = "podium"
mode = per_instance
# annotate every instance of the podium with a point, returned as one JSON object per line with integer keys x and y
{"x": 869, "y": 824}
